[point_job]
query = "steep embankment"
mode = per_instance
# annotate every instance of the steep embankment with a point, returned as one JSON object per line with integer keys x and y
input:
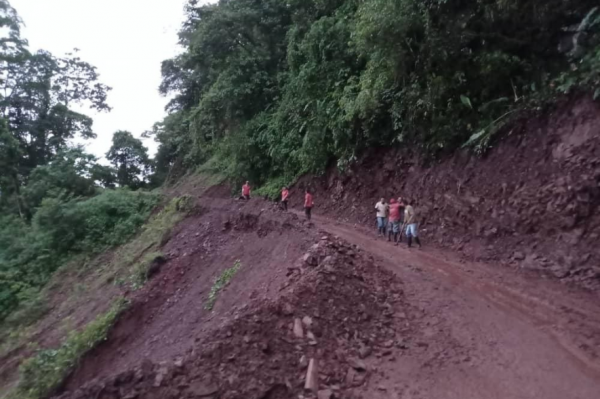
{"x": 530, "y": 202}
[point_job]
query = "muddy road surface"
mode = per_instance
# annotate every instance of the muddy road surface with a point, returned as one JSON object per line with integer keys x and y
{"x": 487, "y": 332}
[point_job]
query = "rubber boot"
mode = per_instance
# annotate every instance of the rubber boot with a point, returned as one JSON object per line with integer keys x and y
{"x": 418, "y": 241}
{"x": 409, "y": 240}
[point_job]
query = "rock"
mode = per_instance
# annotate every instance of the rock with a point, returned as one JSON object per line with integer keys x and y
{"x": 298, "y": 330}
{"x": 357, "y": 364}
{"x": 303, "y": 362}
{"x": 324, "y": 394}
{"x": 307, "y": 321}
{"x": 287, "y": 309}
{"x": 309, "y": 259}
{"x": 310, "y": 336}
{"x": 312, "y": 376}
{"x": 350, "y": 374}
{"x": 517, "y": 255}
{"x": 490, "y": 232}
{"x": 359, "y": 379}
{"x": 388, "y": 344}
{"x": 203, "y": 389}
{"x": 364, "y": 351}
{"x": 559, "y": 271}
{"x": 160, "y": 375}
{"x": 178, "y": 363}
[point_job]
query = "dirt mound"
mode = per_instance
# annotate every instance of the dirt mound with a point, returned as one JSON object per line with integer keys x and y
{"x": 530, "y": 203}
{"x": 169, "y": 345}
{"x": 333, "y": 308}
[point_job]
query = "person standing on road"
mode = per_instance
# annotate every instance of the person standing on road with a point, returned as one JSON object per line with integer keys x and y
{"x": 411, "y": 220}
{"x": 394, "y": 223}
{"x": 246, "y": 191}
{"x": 285, "y": 193}
{"x": 382, "y": 209}
{"x": 402, "y": 209}
{"x": 308, "y": 204}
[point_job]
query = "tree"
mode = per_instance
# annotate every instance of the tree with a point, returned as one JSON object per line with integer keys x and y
{"x": 130, "y": 158}
{"x": 68, "y": 175}
{"x": 10, "y": 153}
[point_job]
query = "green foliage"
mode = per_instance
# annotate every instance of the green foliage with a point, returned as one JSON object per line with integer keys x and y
{"x": 271, "y": 189}
{"x": 584, "y": 44}
{"x": 41, "y": 374}
{"x": 61, "y": 228}
{"x": 273, "y": 90}
{"x": 220, "y": 283}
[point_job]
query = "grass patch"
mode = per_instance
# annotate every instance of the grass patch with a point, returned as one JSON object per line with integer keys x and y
{"x": 272, "y": 188}
{"x": 141, "y": 271}
{"x": 41, "y": 374}
{"x": 131, "y": 262}
{"x": 220, "y": 283}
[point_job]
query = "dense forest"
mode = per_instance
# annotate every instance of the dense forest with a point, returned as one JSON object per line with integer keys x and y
{"x": 56, "y": 200}
{"x": 267, "y": 90}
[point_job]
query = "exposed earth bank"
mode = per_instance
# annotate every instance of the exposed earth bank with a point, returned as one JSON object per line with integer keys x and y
{"x": 530, "y": 202}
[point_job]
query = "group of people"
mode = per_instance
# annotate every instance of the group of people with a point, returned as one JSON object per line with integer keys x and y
{"x": 308, "y": 201}
{"x": 393, "y": 219}
{"x": 285, "y": 194}
{"x": 396, "y": 218}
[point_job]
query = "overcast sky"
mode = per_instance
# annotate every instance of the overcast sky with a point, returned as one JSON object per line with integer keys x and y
{"x": 125, "y": 39}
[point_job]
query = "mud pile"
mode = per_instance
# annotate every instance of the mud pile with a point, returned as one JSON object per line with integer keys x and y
{"x": 531, "y": 202}
{"x": 333, "y": 308}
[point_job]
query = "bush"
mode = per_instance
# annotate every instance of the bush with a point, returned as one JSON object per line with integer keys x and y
{"x": 59, "y": 230}
{"x": 272, "y": 188}
{"x": 41, "y": 374}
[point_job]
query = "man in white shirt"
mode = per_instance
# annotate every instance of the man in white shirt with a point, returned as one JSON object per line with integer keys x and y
{"x": 382, "y": 210}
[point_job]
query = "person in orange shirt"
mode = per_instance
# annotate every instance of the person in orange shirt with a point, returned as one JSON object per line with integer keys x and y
{"x": 285, "y": 193}
{"x": 308, "y": 204}
{"x": 246, "y": 191}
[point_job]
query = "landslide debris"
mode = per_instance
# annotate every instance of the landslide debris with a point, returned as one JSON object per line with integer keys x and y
{"x": 336, "y": 308}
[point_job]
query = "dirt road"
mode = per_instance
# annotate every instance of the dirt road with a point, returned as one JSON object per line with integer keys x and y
{"x": 486, "y": 332}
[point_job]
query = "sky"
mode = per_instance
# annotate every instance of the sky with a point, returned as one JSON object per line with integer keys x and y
{"x": 125, "y": 39}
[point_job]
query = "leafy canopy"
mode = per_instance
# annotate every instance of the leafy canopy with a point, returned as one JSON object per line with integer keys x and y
{"x": 274, "y": 89}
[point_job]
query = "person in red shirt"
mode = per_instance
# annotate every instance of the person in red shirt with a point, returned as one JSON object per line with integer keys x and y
{"x": 246, "y": 191}
{"x": 285, "y": 193}
{"x": 308, "y": 204}
{"x": 394, "y": 224}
